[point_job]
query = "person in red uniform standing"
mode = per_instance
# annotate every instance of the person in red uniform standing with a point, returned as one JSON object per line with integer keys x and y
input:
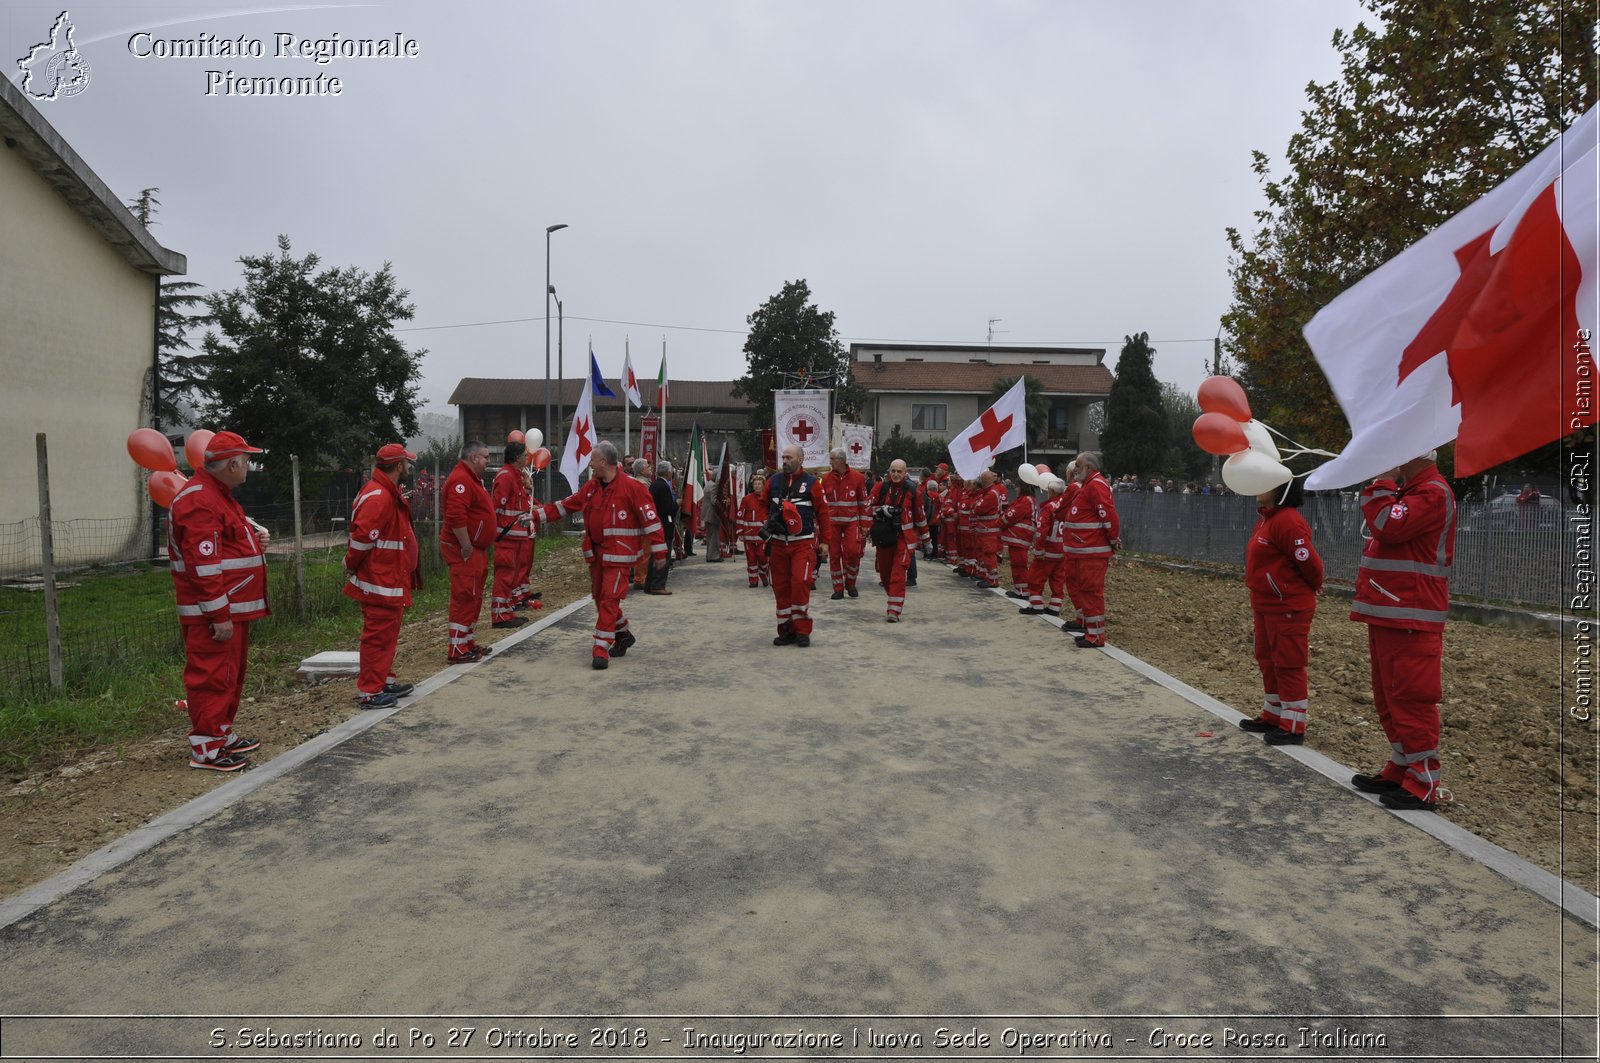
{"x": 949, "y": 501}
{"x": 1093, "y": 534}
{"x": 898, "y": 527}
{"x": 1016, "y": 535}
{"x": 219, "y": 576}
{"x": 1403, "y": 596}
{"x": 968, "y": 496}
{"x": 619, "y": 520}
{"x": 1284, "y": 574}
{"x": 790, "y": 530}
{"x": 752, "y": 514}
{"x": 465, "y": 535}
{"x": 381, "y": 562}
{"x": 513, "y": 536}
{"x": 1047, "y": 574}
{"x": 843, "y": 517}
{"x": 987, "y": 505}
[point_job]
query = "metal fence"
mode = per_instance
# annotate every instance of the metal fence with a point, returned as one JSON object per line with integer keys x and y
{"x": 1503, "y": 554}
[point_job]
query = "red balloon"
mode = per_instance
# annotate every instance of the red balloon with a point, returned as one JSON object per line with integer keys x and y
{"x": 1042, "y": 470}
{"x": 1217, "y": 433}
{"x": 1222, "y": 394}
{"x": 194, "y": 448}
{"x": 516, "y": 436}
{"x": 164, "y": 487}
{"x": 151, "y": 450}
{"x": 541, "y": 458}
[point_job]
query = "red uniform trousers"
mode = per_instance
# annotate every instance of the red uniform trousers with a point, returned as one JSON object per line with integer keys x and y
{"x": 380, "y": 635}
{"x": 1019, "y": 568}
{"x": 522, "y": 589}
{"x": 966, "y": 551}
{"x": 891, "y": 564}
{"x": 755, "y": 561}
{"x": 213, "y": 680}
{"x": 509, "y": 566}
{"x": 947, "y": 537}
{"x": 793, "y": 566}
{"x": 466, "y": 602}
{"x": 844, "y": 555}
{"x": 1074, "y": 588}
{"x": 608, "y": 584}
{"x": 1282, "y": 652}
{"x": 1091, "y": 598}
{"x": 986, "y": 563}
{"x": 1406, "y": 669}
{"x": 1048, "y": 574}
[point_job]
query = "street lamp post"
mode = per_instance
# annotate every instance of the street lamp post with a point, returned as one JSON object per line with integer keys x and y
{"x": 561, "y": 371}
{"x": 548, "y": 475}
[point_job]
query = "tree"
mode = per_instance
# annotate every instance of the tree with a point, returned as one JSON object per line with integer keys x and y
{"x": 307, "y": 362}
{"x": 1136, "y": 433}
{"x": 442, "y": 452}
{"x": 1434, "y": 107}
{"x": 1185, "y": 459}
{"x": 182, "y": 376}
{"x": 791, "y": 343}
{"x": 925, "y": 453}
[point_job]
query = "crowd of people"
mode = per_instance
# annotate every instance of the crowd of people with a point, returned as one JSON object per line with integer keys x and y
{"x": 1059, "y": 539}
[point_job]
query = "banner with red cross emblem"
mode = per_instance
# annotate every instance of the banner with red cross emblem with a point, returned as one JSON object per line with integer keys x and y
{"x": 856, "y": 439}
{"x": 801, "y": 420}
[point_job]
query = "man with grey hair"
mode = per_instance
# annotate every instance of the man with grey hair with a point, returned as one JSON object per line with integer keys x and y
{"x": 842, "y": 520}
{"x": 1093, "y": 534}
{"x": 665, "y": 499}
{"x": 619, "y": 519}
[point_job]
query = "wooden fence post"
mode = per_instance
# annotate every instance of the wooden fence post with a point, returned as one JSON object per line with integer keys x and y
{"x": 299, "y": 542}
{"x": 47, "y": 551}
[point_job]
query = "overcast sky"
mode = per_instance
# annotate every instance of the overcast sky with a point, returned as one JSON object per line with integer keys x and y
{"x": 1066, "y": 166}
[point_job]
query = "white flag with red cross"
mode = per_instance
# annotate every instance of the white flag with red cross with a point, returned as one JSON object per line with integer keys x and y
{"x": 581, "y": 437}
{"x": 630, "y": 383}
{"x": 997, "y": 430}
{"x": 1479, "y": 332}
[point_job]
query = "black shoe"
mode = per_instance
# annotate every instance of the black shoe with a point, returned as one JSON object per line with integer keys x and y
{"x": 624, "y": 643}
{"x": 1373, "y": 784}
{"x": 1073, "y": 628}
{"x": 398, "y": 690}
{"x": 1017, "y": 595}
{"x": 1083, "y": 643}
{"x": 1053, "y": 612}
{"x": 226, "y": 762}
{"x": 516, "y": 621}
{"x": 836, "y": 596}
{"x": 380, "y": 700}
{"x": 911, "y": 583}
{"x": 891, "y": 618}
{"x": 852, "y": 592}
{"x": 1403, "y": 800}
{"x": 239, "y": 745}
{"x": 785, "y": 640}
{"x": 1029, "y": 610}
{"x": 519, "y": 607}
{"x": 599, "y": 664}
{"x": 1259, "y": 726}
{"x": 802, "y": 640}
{"x": 1283, "y": 738}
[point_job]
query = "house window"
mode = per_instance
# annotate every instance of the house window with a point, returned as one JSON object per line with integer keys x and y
{"x": 927, "y": 418}
{"x": 1058, "y": 418}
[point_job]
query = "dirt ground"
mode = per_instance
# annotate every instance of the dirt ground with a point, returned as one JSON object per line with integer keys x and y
{"x": 1516, "y": 779}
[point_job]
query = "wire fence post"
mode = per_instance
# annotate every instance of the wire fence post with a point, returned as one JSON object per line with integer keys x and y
{"x": 299, "y": 541}
{"x": 47, "y": 554}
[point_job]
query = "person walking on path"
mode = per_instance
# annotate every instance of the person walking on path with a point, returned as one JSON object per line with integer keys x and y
{"x": 381, "y": 563}
{"x": 752, "y": 514}
{"x": 897, "y": 529}
{"x": 842, "y": 520}
{"x": 219, "y": 576}
{"x": 791, "y": 528}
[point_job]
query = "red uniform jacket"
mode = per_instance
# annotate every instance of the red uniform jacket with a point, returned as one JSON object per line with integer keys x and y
{"x": 843, "y": 501}
{"x": 619, "y": 518}
{"x": 987, "y": 505}
{"x": 219, "y": 572}
{"x": 913, "y": 525}
{"x": 466, "y": 505}
{"x": 752, "y": 514}
{"x": 1091, "y": 519}
{"x": 510, "y": 495}
{"x": 382, "y": 556}
{"x": 1049, "y": 540}
{"x": 1017, "y": 523}
{"x": 1281, "y": 567}
{"x": 1404, "y": 580}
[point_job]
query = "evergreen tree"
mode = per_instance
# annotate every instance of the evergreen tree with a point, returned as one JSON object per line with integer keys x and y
{"x": 181, "y": 372}
{"x": 793, "y": 344}
{"x": 1136, "y": 434}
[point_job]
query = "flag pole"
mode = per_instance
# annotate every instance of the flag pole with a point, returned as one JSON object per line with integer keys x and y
{"x": 626, "y": 403}
{"x": 662, "y": 389}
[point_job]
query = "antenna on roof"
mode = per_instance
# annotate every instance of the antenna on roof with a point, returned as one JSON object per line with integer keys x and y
{"x": 989, "y": 343}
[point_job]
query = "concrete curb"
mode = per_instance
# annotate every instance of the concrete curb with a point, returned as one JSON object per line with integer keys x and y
{"x": 1576, "y": 902}
{"x": 202, "y": 808}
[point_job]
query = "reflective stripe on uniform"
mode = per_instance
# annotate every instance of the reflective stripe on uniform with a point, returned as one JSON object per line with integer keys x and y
{"x": 1395, "y": 612}
{"x": 373, "y": 588}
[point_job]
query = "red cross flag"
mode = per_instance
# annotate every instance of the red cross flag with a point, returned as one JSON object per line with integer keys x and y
{"x": 1479, "y": 332}
{"x": 630, "y": 383}
{"x": 581, "y": 438}
{"x": 1001, "y": 427}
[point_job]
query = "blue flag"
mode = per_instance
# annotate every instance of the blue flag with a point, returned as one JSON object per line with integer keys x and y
{"x": 599, "y": 381}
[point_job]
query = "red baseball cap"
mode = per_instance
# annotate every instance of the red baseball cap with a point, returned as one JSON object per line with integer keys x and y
{"x": 226, "y": 445}
{"x": 393, "y": 452}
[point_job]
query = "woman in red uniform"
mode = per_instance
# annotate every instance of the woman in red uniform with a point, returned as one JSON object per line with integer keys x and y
{"x": 753, "y": 514}
{"x": 1284, "y": 575}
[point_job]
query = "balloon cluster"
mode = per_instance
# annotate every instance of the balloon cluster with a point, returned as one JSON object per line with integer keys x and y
{"x": 1037, "y": 475}
{"x": 531, "y": 439}
{"x": 151, "y": 450}
{"x": 1225, "y": 428}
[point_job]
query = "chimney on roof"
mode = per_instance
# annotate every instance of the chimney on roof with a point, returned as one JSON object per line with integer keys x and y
{"x": 877, "y": 360}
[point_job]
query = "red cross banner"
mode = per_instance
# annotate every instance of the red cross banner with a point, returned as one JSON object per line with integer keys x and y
{"x": 801, "y": 420}
{"x": 1479, "y": 332}
{"x": 856, "y": 439}
{"x": 1000, "y": 428}
{"x": 581, "y": 438}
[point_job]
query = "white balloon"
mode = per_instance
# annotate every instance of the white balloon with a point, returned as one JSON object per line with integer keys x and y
{"x": 1261, "y": 439}
{"x": 1028, "y": 474}
{"x": 1251, "y": 472}
{"x": 534, "y": 439}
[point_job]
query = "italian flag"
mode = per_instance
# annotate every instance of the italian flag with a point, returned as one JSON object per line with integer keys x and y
{"x": 661, "y": 382}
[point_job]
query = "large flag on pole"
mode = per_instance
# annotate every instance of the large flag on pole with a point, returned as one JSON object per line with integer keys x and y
{"x": 661, "y": 381}
{"x": 582, "y": 437}
{"x": 694, "y": 476}
{"x": 1473, "y": 332}
{"x": 630, "y": 383}
{"x": 598, "y": 381}
{"x": 997, "y": 430}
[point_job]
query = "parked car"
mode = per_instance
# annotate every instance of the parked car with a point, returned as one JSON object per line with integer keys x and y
{"x": 1506, "y": 513}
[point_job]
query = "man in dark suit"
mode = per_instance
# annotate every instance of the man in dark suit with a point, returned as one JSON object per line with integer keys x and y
{"x": 666, "y": 503}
